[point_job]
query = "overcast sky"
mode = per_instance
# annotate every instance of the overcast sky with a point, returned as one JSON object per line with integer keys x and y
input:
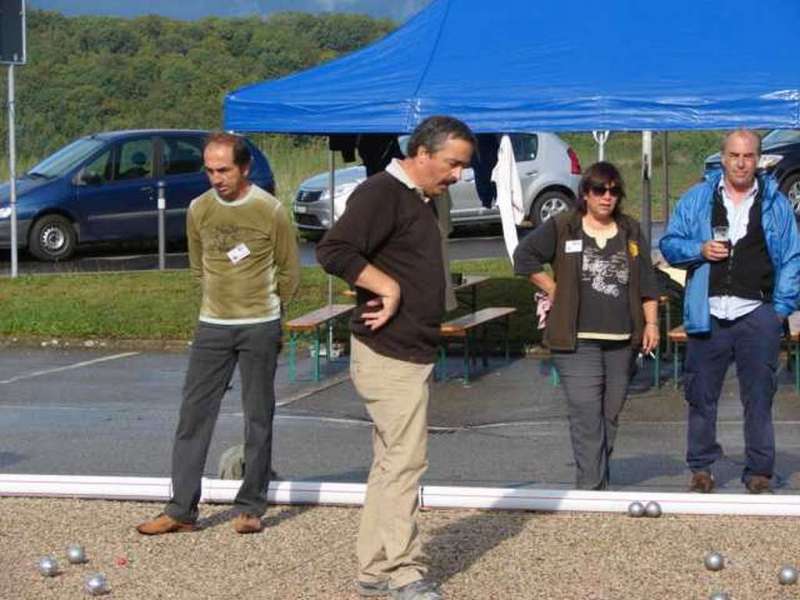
{"x": 399, "y": 10}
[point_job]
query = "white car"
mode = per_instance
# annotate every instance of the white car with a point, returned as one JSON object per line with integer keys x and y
{"x": 549, "y": 171}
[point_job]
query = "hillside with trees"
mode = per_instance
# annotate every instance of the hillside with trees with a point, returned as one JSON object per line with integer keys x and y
{"x": 88, "y": 74}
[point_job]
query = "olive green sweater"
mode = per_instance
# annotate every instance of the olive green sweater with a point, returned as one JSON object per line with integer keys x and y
{"x": 245, "y": 254}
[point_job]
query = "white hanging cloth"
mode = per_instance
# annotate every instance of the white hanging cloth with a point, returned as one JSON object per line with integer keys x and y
{"x": 509, "y": 194}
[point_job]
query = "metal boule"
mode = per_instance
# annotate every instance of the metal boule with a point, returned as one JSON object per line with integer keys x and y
{"x": 48, "y": 566}
{"x": 787, "y": 575}
{"x": 714, "y": 561}
{"x": 636, "y": 509}
{"x": 652, "y": 509}
{"x": 96, "y": 585}
{"x": 719, "y": 596}
{"x": 76, "y": 555}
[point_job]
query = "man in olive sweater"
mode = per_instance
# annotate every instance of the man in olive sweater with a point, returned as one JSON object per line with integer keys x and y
{"x": 243, "y": 249}
{"x": 388, "y": 245}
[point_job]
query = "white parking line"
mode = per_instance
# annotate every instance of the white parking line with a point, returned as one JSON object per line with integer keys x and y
{"x": 84, "y": 363}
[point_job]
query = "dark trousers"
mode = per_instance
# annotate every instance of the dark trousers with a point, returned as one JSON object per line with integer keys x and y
{"x": 753, "y": 342}
{"x": 595, "y": 379}
{"x": 215, "y": 352}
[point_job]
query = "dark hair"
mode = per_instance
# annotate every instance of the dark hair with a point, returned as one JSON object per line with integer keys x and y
{"x": 241, "y": 151}
{"x": 600, "y": 173}
{"x": 434, "y": 131}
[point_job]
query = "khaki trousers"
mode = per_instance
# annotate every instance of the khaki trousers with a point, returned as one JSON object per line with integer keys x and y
{"x": 396, "y": 396}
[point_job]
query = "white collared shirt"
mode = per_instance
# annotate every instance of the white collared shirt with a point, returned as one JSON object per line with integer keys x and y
{"x": 733, "y": 307}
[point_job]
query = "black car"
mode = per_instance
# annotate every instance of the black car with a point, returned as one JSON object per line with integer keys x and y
{"x": 780, "y": 156}
{"x": 104, "y": 188}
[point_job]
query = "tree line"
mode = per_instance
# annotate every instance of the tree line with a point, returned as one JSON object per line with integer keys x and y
{"x": 90, "y": 74}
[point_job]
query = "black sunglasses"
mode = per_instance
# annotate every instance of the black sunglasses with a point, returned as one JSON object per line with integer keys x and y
{"x": 599, "y": 190}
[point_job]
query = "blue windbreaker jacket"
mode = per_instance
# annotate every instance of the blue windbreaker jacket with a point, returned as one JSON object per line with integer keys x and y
{"x": 690, "y": 227}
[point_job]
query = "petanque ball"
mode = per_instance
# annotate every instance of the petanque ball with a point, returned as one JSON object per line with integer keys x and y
{"x": 48, "y": 566}
{"x": 76, "y": 555}
{"x": 652, "y": 509}
{"x": 96, "y": 585}
{"x": 787, "y": 575}
{"x": 714, "y": 561}
{"x": 719, "y": 596}
{"x": 635, "y": 509}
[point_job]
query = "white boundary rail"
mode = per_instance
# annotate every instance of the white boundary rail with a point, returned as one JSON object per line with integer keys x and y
{"x": 309, "y": 492}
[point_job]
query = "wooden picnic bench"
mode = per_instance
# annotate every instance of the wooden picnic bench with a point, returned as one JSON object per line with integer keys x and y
{"x": 466, "y": 327}
{"x": 677, "y": 337}
{"x": 312, "y": 324}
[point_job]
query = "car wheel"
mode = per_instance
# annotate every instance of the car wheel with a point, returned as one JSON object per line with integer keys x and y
{"x": 52, "y": 238}
{"x": 791, "y": 187}
{"x": 549, "y": 204}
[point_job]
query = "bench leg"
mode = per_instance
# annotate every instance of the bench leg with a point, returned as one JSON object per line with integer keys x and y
{"x": 675, "y": 365}
{"x": 657, "y": 368}
{"x": 554, "y": 377}
{"x": 466, "y": 358}
{"x": 507, "y": 334}
{"x": 484, "y": 347}
{"x": 797, "y": 367}
{"x": 316, "y": 354}
{"x": 440, "y": 370}
{"x": 292, "y": 357}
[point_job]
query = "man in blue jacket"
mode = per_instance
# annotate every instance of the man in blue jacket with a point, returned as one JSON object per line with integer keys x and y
{"x": 736, "y": 236}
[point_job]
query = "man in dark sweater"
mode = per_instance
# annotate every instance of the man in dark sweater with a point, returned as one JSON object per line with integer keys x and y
{"x": 736, "y": 236}
{"x": 388, "y": 245}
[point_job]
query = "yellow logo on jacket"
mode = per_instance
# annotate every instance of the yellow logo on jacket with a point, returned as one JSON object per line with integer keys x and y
{"x": 633, "y": 249}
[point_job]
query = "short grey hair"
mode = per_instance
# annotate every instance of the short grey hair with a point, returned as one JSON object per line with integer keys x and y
{"x": 741, "y": 132}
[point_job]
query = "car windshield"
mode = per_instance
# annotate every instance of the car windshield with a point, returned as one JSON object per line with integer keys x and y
{"x": 781, "y": 136}
{"x": 65, "y": 159}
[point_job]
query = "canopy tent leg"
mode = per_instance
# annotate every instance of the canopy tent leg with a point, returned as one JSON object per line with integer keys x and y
{"x": 331, "y": 186}
{"x": 665, "y": 159}
{"x": 647, "y": 173}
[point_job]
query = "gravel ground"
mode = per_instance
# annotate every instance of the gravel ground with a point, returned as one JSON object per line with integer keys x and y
{"x": 308, "y": 552}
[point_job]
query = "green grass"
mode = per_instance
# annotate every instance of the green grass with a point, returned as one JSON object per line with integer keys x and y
{"x": 163, "y": 306}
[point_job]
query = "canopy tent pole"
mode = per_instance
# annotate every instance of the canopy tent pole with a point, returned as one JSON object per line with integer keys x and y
{"x": 665, "y": 159}
{"x": 331, "y": 187}
{"x": 600, "y": 137}
{"x": 647, "y": 173}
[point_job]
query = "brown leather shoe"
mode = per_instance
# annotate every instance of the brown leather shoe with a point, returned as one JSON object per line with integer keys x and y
{"x": 163, "y": 523}
{"x": 702, "y": 482}
{"x": 758, "y": 484}
{"x": 247, "y": 523}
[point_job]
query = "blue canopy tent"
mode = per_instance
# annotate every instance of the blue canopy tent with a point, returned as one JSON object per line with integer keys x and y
{"x": 518, "y": 65}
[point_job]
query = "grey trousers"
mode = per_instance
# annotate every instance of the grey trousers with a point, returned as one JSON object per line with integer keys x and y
{"x": 215, "y": 352}
{"x": 595, "y": 379}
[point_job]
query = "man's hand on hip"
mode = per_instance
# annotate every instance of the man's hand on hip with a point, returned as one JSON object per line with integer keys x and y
{"x": 387, "y": 307}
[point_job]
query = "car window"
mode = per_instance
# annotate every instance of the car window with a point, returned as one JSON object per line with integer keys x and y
{"x": 135, "y": 160}
{"x": 182, "y": 155}
{"x": 99, "y": 170}
{"x": 526, "y": 146}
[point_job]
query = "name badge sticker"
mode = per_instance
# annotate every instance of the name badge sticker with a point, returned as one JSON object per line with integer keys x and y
{"x": 572, "y": 246}
{"x": 239, "y": 253}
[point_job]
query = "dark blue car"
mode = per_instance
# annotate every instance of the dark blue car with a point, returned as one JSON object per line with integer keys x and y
{"x": 104, "y": 188}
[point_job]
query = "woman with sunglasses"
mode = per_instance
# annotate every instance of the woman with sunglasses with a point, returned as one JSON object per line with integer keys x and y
{"x": 603, "y": 297}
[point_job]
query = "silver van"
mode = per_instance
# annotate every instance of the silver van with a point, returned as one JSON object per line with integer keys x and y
{"x": 549, "y": 172}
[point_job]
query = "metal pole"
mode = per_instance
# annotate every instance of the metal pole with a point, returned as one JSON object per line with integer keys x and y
{"x": 647, "y": 173}
{"x": 12, "y": 170}
{"x": 665, "y": 151}
{"x": 331, "y": 187}
{"x": 162, "y": 242}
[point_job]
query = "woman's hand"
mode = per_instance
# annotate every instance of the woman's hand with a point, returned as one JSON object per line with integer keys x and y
{"x": 650, "y": 338}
